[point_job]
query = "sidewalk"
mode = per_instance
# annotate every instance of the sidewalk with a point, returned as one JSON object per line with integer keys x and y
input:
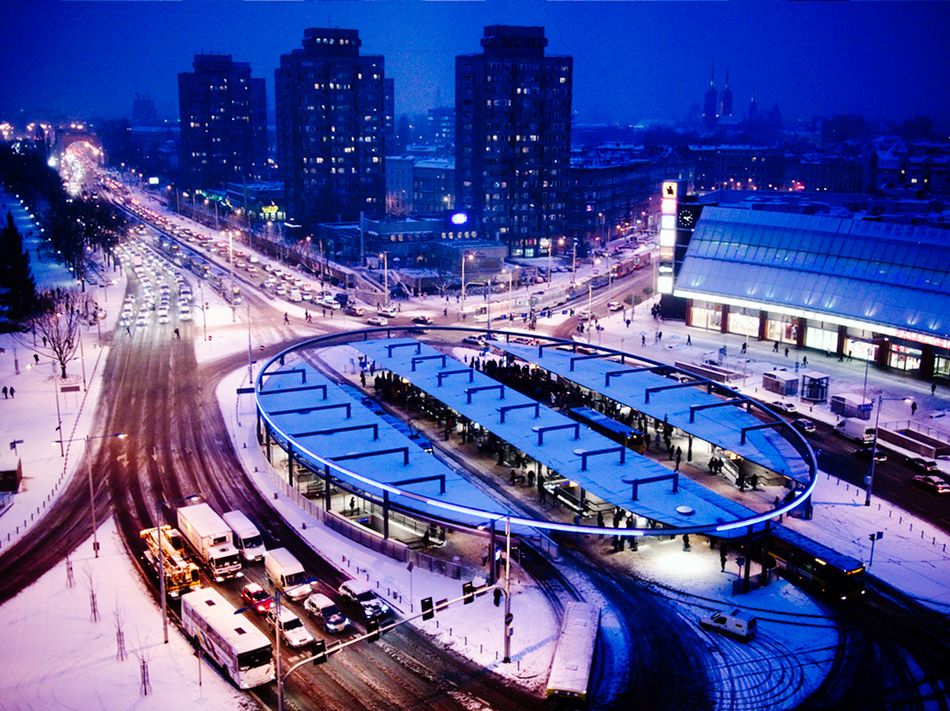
{"x": 913, "y": 555}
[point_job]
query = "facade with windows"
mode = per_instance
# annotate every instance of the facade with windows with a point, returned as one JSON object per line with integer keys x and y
{"x": 331, "y": 126}
{"x": 863, "y": 290}
{"x": 512, "y": 138}
{"x": 222, "y": 110}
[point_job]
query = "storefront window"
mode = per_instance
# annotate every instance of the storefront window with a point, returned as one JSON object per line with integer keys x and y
{"x": 744, "y": 322}
{"x": 706, "y": 315}
{"x": 821, "y": 337}
{"x": 782, "y": 328}
{"x": 942, "y": 365}
{"x": 862, "y": 350}
{"x": 904, "y": 357}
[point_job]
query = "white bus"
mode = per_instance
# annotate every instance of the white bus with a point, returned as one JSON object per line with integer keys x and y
{"x": 570, "y": 670}
{"x": 232, "y": 641}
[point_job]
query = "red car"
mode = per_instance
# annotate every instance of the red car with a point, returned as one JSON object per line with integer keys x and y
{"x": 256, "y": 597}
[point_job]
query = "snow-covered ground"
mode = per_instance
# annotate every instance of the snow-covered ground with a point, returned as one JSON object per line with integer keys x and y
{"x": 55, "y": 656}
{"x": 474, "y": 631}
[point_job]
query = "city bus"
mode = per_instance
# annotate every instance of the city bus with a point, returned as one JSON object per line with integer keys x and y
{"x": 232, "y": 641}
{"x": 574, "y": 654}
{"x": 815, "y": 565}
{"x": 617, "y": 431}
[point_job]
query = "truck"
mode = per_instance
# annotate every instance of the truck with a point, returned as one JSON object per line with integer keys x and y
{"x": 287, "y": 573}
{"x": 855, "y": 429}
{"x": 165, "y": 552}
{"x": 244, "y": 535}
{"x": 210, "y": 538}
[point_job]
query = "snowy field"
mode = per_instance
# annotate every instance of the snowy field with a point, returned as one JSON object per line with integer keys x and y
{"x": 55, "y": 656}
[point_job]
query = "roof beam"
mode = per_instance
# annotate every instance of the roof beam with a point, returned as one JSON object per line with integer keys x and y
{"x": 693, "y": 409}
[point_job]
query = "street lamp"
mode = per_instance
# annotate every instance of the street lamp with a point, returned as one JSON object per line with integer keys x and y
{"x": 92, "y": 501}
{"x": 466, "y": 256}
{"x": 877, "y": 419}
{"x": 385, "y": 257}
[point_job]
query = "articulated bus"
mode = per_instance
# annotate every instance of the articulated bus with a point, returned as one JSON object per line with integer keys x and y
{"x": 815, "y": 565}
{"x": 574, "y": 654}
{"x": 241, "y": 650}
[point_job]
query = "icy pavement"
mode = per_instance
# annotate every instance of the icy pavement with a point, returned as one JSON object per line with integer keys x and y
{"x": 55, "y": 656}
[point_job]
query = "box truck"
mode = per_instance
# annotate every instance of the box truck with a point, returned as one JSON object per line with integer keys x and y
{"x": 210, "y": 538}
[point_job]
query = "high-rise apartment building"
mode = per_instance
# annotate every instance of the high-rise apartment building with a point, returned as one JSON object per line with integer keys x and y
{"x": 223, "y": 113}
{"x": 330, "y": 127}
{"x": 512, "y": 138}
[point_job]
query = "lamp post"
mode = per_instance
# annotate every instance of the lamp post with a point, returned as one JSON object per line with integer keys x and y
{"x": 230, "y": 234}
{"x": 877, "y": 419}
{"x": 465, "y": 256}
{"x": 385, "y": 257}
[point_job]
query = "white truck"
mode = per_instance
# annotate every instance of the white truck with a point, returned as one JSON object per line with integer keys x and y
{"x": 287, "y": 573}
{"x": 245, "y": 536}
{"x": 855, "y": 429}
{"x": 210, "y": 538}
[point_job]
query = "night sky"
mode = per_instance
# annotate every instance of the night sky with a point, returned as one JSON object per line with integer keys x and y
{"x": 633, "y": 60}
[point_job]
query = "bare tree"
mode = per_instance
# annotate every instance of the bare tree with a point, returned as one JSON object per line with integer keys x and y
{"x": 91, "y": 586}
{"x": 58, "y": 327}
{"x": 120, "y": 653}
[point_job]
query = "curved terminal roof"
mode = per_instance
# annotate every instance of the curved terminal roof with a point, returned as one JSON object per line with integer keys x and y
{"x": 597, "y": 464}
{"x": 890, "y": 275}
{"x": 628, "y": 384}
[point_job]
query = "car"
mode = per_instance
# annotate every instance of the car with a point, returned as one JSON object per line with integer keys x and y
{"x": 141, "y": 320}
{"x": 735, "y": 623}
{"x": 291, "y": 627}
{"x": 614, "y": 306}
{"x": 369, "y": 604}
{"x": 474, "y": 340}
{"x": 928, "y": 466}
{"x": 524, "y": 341}
{"x": 803, "y": 424}
{"x": 931, "y": 483}
{"x": 377, "y": 321}
{"x": 784, "y": 406}
{"x": 864, "y": 452}
{"x": 422, "y": 320}
{"x": 163, "y": 318}
{"x": 256, "y": 597}
{"x": 389, "y": 311}
{"x": 355, "y": 310}
{"x": 323, "y": 609}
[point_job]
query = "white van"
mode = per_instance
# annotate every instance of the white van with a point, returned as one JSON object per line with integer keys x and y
{"x": 736, "y": 623}
{"x": 287, "y": 573}
{"x": 295, "y": 296}
{"x": 855, "y": 429}
{"x": 245, "y": 536}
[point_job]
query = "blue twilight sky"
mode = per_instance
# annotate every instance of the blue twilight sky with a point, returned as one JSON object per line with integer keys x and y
{"x": 633, "y": 60}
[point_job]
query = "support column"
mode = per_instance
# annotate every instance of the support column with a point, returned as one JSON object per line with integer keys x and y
{"x": 326, "y": 488}
{"x": 267, "y": 444}
{"x": 883, "y": 353}
{"x": 802, "y": 324}
{"x": 724, "y": 318}
{"x": 842, "y": 341}
{"x": 290, "y": 463}
{"x": 927, "y": 358}
{"x": 385, "y": 515}
{"x": 763, "y": 325}
{"x": 491, "y": 553}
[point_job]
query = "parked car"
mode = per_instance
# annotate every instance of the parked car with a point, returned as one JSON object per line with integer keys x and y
{"x": 256, "y": 597}
{"x": 377, "y": 321}
{"x": 323, "y": 609}
{"x": 788, "y": 407}
{"x": 614, "y": 306}
{"x": 803, "y": 424}
{"x": 422, "y": 320}
{"x": 474, "y": 340}
{"x": 927, "y": 466}
{"x": 363, "y": 596}
{"x": 933, "y": 484}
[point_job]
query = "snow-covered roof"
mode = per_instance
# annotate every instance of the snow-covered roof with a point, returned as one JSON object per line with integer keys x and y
{"x": 883, "y": 274}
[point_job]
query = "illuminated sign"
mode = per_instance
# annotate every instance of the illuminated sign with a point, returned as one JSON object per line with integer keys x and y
{"x": 667, "y": 238}
{"x": 668, "y": 222}
{"x": 670, "y": 188}
{"x": 153, "y": 181}
{"x": 270, "y": 210}
{"x": 664, "y": 284}
{"x": 459, "y": 218}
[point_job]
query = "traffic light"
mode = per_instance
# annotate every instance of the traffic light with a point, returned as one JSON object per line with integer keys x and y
{"x": 509, "y": 618}
{"x": 468, "y": 590}
{"x": 372, "y": 630}
{"x": 427, "y": 611}
{"x": 319, "y": 652}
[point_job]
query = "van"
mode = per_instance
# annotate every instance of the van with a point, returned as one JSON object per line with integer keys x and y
{"x": 324, "y": 610}
{"x": 290, "y": 626}
{"x": 245, "y": 536}
{"x": 287, "y": 573}
{"x": 295, "y": 296}
{"x": 855, "y": 429}
{"x": 736, "y": 623}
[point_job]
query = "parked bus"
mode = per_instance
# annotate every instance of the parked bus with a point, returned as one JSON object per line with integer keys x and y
{"x": 574, "y": 654}
{"x": 232, "y": 641}
{"x": 617, "y": 431}
{"x": 817, "y": 566}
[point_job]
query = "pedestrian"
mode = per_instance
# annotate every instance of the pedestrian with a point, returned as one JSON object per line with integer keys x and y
{"x": 12, "y": 392}
{"x": 913, "y": 408}
{"x": 850, "y": 356}
{"x": 628, "y": 323}
{"x": 352, "y": 503}
{"x": 36, "y": 359}
{"x": 686, "y": 547}
{"x": 44, "y": 341}
{"x": 631, "y": 523}
{"x": 754, "y": 481}
{"x": 689, "y": 340}
{"x": 512, "y": 475}
{"x": 600, "y": 519}
{"x": 775, "y": 347}
{"x": 128, "y": 330}
{"x": 177, "y": 334}
{"x": 363, "y": 378}
{"x": 643, "y": 340}
{"x": 933, "y": 386}
{"x": 679, "y": 458}
{"x": 287, "y": 318}
{"x": 659, "y": 335}
{"x": 4, "y": 392}
{"x": 723, "y": 555}
{"x": 740, "y": 480}
{"x": 804, "y": 361}
{"x": 786, "y": 351}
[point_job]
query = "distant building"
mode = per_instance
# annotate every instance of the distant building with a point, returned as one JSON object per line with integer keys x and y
{"x": 440, "y": 125}
{"x": 710, "y": 104}
{"x": 892, "y": 164}
{"x": 399, "y": 185}
{"x": 223, "y": 113}
{"x": 725, "y": 99}
{"x": 826, "y": 173}
{"x": 331, "y": 123}
{"x": 738, "y": 166}
{"x": 143, "y": 111}
{"x": 512, "y": 136}
{"x": 419, "y": 185}
{"x": 389, "y": 116}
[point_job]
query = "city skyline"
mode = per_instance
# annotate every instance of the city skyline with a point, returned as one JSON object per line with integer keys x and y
{"x": 864, "y": 58}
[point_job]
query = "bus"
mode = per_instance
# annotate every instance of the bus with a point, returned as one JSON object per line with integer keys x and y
{"x": 617, "y": 431}
{"x": 574, "y": 654}
{"x": 814, "y": 565}
{"x": 232, "y": 641}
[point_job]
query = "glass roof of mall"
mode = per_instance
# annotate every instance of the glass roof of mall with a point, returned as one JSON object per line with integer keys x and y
{"x": 891, "y": 275}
